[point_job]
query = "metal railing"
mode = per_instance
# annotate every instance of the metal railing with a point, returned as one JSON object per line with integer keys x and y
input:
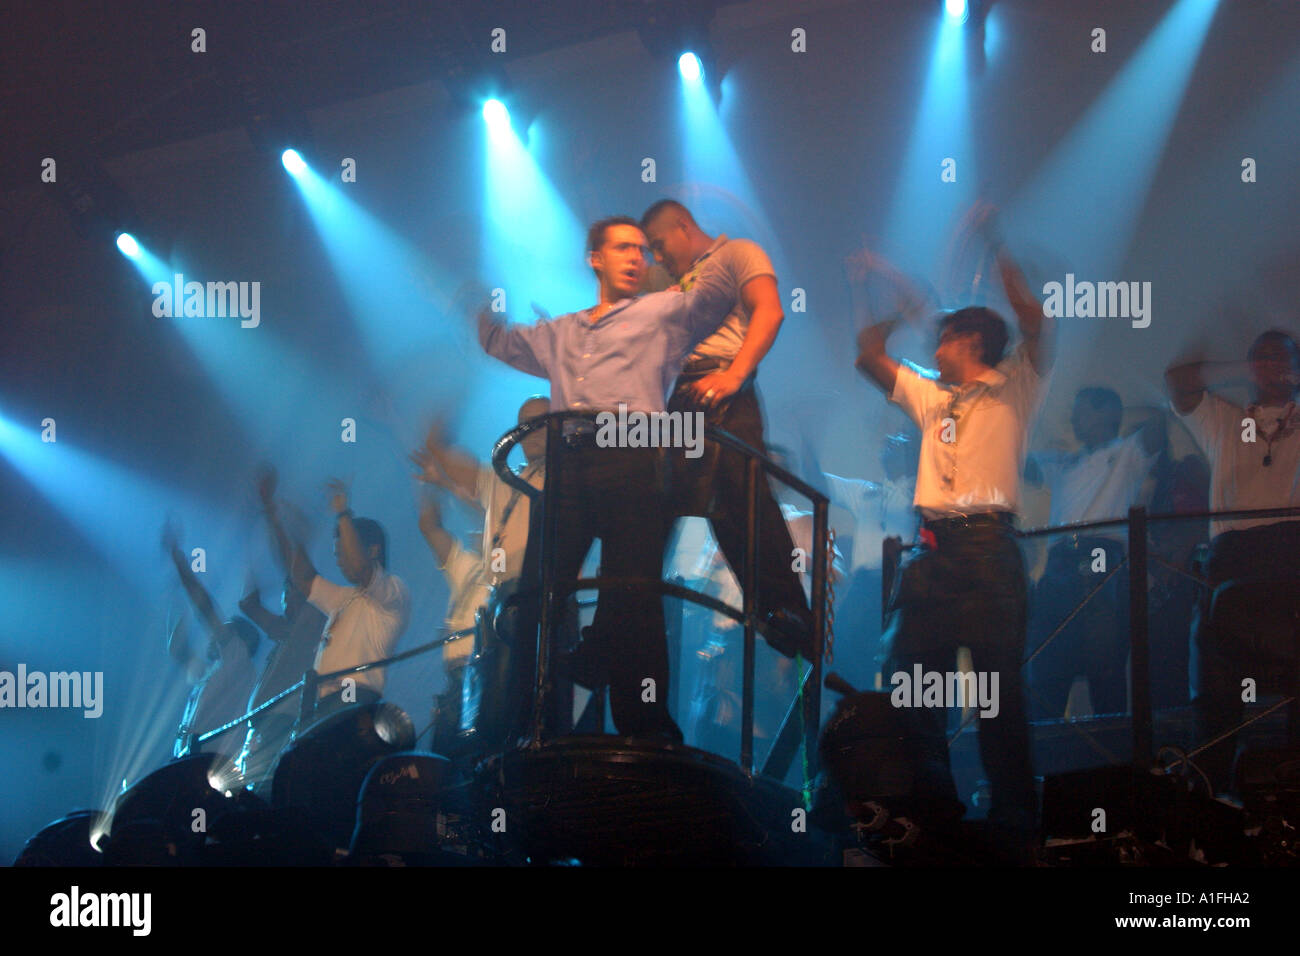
{"x": 310, "y": 681}
{"x": 553, "y": 592}
{"x": 1137, "y": 560}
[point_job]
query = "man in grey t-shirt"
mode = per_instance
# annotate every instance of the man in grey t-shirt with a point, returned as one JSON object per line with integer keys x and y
{"x": 718, "y": 379}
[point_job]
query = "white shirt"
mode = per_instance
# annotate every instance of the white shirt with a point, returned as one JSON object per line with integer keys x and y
{"x": 505, "y": 520}
{"x": 742, "y": 260}
{"x": 1238, "y": 476}
{"x": 470, "y": 590}
{"x": 990, "y": 417}
{"x": 1098, "y": 484}
{"x": 364, "y": 625}
{"x": 880, "y": 510}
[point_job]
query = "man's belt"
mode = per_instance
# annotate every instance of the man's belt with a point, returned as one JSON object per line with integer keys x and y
{"x": 984, "y": 519}
{"x": 697, "y": 368}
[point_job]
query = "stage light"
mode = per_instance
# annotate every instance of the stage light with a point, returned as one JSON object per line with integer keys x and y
{"x": 225, "y": 778}
{"x": 688, "y": 64}
{"x": 496, "y": 115}
{"x": 957, "y": 9}
{"x": 293, "y": 162}
{"x": 70, "y": 841}
{"x": 127, "y": 245}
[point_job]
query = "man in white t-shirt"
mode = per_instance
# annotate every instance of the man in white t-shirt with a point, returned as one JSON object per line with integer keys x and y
{"x": 491, "y": 576}
{"x": 1254, "y": 455}
{"x": 967, "y": 585}
{"x": 1102, "y": 479}
{"x": 364, "y": 618}
{"x": 464, "y": 571}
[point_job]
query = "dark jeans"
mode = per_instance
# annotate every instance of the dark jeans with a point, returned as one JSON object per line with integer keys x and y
{"x": 1227, "y": 651}
{"x": 1095, "y": 642}
{"x": 713, "y": 485}
{"x": 968, "y": 591}
{"x": 615, "y": 494}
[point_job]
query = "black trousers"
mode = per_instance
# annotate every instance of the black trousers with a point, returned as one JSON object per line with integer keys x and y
{"x": 969, "y": 590}
{"x": 616, "y": 495}
{"x": 713, "y": 485}
{"x": 1095, "y": 642}
{"x": 1227, "y": 651}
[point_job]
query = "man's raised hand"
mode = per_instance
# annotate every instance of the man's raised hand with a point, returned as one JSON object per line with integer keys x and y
{"x": 338, "y": 492}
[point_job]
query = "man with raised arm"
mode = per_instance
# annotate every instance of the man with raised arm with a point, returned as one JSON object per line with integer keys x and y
{"x": 222, "y": 675}
{"x": 365, "y": 617}
{"x": 621, "y": 355}
{"x": 1254, "y": 455}
{"x": 1100, "y": 480}
{"x": 967, "y": 586}
{"x": 505, "y": 509}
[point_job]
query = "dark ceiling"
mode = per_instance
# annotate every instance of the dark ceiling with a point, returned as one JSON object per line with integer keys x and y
{"x": 113, "y": 78}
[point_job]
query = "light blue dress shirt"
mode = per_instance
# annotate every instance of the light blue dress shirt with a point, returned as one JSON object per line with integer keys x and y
{"x": 631, "y": 355}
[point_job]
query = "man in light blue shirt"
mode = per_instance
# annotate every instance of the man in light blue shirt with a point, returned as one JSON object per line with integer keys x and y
{"x": 618, "y": 358}
{"x": 627, "y": 349}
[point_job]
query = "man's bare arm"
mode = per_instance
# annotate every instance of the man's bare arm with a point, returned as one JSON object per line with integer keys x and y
{"x": 873, "y": 361}
{"x": 762, "y": 302}
{"x": 1186, "y": 383}
{"x": 1035, "y": 327}
{"x": 203, "y": 604}
{"x": 447, "y": 467}
{"x": 350, "y": 548}
{"x": 438, "y": 537}
{"x": 291, "y": 554}
{"x": 1034, "y": 324}
{"x": 902, "y": 301}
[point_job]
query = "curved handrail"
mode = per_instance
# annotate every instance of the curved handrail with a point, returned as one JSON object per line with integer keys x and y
{"x": 501, "y": 450}
{"x": 810, "y": 692}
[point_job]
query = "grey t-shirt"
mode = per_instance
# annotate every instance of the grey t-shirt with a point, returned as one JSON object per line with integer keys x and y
{"x": 743, "y": 260}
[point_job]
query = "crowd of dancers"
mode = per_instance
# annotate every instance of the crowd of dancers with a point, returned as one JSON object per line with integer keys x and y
{"x": 953, "y": 487}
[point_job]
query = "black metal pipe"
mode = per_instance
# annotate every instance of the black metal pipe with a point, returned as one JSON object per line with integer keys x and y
{"x": 748, "y": 585}
{"x": 550, "y": 533}
{"x": 812, "y": 695}
{"x": 1139, "y": 636}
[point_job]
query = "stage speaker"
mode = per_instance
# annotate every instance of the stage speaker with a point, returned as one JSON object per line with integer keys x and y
{"x": 408, "y": 815}
{"x": 164, "y": 819}
{"x": 321, "y": 773}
